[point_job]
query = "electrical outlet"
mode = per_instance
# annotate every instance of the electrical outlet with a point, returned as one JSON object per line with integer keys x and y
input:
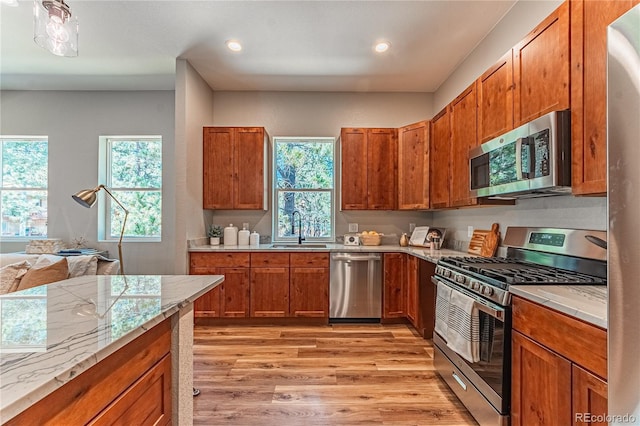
{"x": 469, "y": 231}
{"x": 412, "y": 226}
{"x": 353, "y": 227}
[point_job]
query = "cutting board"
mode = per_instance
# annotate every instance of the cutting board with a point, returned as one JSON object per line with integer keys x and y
{"x": 485, "y": 242}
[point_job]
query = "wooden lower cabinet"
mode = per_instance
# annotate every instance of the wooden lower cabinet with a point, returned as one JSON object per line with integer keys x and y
{"x": 558, "y": 368}
{"x": 540, "y": 385}
{"x": 269, "y": 292}
{"x": 393, "y": 285}
{"x": 264, "y": 285}
{"x": 130, "y": 386}
{"x": 412, "y": 291}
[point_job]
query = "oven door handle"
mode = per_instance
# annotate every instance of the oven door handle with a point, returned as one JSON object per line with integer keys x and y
{"x": 482, "y": 305}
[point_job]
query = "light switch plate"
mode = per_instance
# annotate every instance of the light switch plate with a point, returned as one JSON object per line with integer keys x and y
{"x": 353, "y": 227}
{"x": 412, "y": 226}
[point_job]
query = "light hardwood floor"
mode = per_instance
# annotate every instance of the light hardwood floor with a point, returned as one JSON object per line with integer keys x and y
{"x": 333, "y": 375}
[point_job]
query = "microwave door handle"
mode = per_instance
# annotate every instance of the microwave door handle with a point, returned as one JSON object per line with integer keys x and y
{"x": 519, "y": 175}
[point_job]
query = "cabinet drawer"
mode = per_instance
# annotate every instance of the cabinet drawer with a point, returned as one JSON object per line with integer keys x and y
{"x": 582, "y": 343}
{"x": 317, "y": 260}
{"x": 201, "y": 262}
{"x": 269, "y": 259}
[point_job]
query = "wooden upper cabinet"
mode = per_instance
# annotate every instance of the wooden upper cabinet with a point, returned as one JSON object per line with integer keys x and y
{"x": 589, "y": 21}
{"x": 464, "y": 137}
{"x": 541, "y": 68}
{"x": 440, "y": 141}
{"x": 382, "y": 163}
{"x": 369, "y": 169}
{"x": 495, "y": 99}
{"x": 234, "y": 168}
{"x": 353, "y": 143}
{"x": 413, "y": 166}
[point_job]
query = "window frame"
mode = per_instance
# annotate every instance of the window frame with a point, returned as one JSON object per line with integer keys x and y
{"x": 106, "y": 202}
{"x": 275, "y": 190}
{"x": 24, "y": 138}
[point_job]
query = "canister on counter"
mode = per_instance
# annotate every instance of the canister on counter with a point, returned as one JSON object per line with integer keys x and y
{"x": 231, "y": 235}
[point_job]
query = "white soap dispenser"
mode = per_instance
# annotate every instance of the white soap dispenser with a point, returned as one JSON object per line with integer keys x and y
{"x": 231, "y": 235}
{"x": 254, "y": 239}
{"x": 243, "y": 235}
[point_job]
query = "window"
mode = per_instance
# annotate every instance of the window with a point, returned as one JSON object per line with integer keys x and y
{"x": 304, "y": 181}
{"x": 23, "y": 186}
{"x": 132, "y": 170}
{"x": 23, "y": 321}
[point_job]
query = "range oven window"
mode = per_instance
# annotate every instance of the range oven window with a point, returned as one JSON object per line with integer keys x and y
{"x": 493, "y": 346}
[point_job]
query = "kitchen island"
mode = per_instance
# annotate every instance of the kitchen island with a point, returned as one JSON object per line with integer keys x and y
{"x": 93, "y": 347}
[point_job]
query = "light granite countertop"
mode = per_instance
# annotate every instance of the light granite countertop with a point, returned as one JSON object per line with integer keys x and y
{"x": 74, "y": 324}
{"x": 425, "y": 253}
{"x": 587, "y": 302}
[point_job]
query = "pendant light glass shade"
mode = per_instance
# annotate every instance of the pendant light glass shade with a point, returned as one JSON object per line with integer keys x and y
{"x": 55, "y": 28}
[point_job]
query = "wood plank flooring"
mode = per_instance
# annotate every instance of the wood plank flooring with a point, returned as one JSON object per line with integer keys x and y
{"x": 319, "y": 375}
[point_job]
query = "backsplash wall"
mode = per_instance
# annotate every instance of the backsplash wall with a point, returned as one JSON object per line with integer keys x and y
{"x": 554, "y": 212}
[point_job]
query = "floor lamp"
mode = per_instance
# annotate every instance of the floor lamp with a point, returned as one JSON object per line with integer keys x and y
{"x": 87, "y": 198}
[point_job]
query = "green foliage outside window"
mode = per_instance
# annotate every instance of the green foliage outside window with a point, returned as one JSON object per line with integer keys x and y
{"x": 304, "y": 181}
{"x": 136, "y": 181}
{"x": 23, "y": 187}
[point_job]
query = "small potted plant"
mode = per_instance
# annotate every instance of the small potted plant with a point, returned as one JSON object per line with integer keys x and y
{"x": 215, "y": 232}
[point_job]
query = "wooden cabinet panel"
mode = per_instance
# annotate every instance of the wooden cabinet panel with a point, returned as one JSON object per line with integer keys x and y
{"x": 439, "y": 160}
{"x": 234, "y": 292}
{"x": 270, "y": 259}
{"x": 250, "y": 183}
{"x": 589, "y": 398}
{"x": 393, "y": 295}
{"x": 541, "y": 68}
{"x": 495, "y": 99}
{"x": 78, "y": 401}
{"x": 310, "y": 259}
{"x": 369, "y": 169}
{"x": 382, "y": 149}
{"x": 541, "y": 385}
{"x": 309, "y": 292}
{"x": 204, "y": 263}
{"x": 146, "y": 402}
{"x": 412, "y": 280}
{"x": 589, "y": 21}
{"x": 413, "y": 166}
{"x": 583, "y": 343}
{"x": 218, "y": 167}
{"x": 463, "y": 138}
{"x": 353, "y": 143}
{"x": 269, "y": 292}
{"x": 234, "y": 168}
{"x": 208, "y": 305}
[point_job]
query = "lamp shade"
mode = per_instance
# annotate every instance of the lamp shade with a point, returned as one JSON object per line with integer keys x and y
{"x": 86, "y": 197}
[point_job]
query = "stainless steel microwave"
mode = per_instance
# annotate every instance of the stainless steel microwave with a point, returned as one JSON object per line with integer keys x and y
{"x": 532, "y": 160}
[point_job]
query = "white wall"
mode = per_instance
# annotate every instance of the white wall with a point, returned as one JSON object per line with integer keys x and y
{"x": 194, "y": 108}
{"x": 74, "y": 121}
{"x": 321, "y": 114}
{"x": 563, "y": 211}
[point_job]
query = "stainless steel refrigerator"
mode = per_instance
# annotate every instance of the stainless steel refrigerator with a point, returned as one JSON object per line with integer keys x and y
{"x": 623, "y": 148}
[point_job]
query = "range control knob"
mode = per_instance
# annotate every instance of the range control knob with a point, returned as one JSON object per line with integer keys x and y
{"x": 475, "y": 285}
{"x": 446, "y": 273}
{"x": 487, "y": 291}
{"x": 461, "y": 279}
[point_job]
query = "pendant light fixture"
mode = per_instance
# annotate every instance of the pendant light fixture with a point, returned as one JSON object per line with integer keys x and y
{"x": 55, "y": 28}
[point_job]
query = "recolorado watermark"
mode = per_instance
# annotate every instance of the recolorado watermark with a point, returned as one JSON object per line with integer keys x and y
{"x": 608, "y": 418}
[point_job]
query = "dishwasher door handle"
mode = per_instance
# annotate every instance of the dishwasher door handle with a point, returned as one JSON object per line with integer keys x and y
{"x": 355, "y": 258}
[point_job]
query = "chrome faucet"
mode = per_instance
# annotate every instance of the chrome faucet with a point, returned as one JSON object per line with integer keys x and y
{"x": 293, "y": 227}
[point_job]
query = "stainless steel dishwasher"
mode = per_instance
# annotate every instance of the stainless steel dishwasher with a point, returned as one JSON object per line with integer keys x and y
{"x": 355, "y": 290}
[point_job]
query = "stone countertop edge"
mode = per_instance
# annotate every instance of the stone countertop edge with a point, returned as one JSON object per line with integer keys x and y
{"x": 60, "y": 378}
{"x": 421, "y": 252}
{"x": 587, "y": 303}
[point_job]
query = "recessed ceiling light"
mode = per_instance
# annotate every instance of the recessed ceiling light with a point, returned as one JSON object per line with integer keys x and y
{"x": 383, "y": 46}
{"x": 234, "y": 45}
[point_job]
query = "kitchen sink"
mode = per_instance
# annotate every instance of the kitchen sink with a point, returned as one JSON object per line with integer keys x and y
{"x": 298, "y": 246}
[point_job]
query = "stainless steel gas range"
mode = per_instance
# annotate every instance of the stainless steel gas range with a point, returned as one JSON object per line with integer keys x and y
{"x": 472, "y": 338}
